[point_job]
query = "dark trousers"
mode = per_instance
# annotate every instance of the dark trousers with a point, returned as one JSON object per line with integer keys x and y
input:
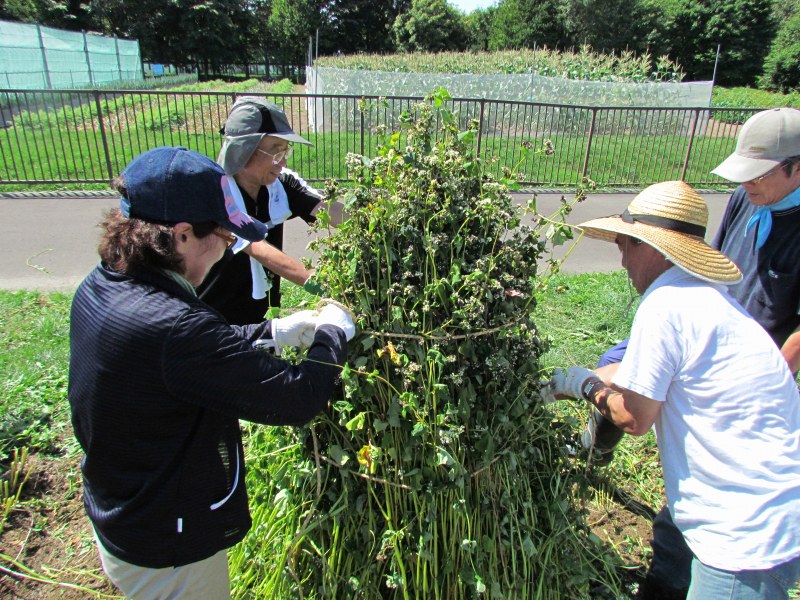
{"x": 672, "y": 558}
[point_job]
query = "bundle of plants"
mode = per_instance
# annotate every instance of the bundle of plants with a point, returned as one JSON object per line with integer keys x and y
{"x": 437, "y": 473}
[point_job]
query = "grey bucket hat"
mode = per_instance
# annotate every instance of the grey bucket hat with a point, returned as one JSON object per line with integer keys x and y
{"x": 251, "y": 118}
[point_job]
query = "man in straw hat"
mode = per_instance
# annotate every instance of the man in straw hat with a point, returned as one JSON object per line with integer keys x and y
{"x": 759, "y": 233}
{"x": 258, "y": 143}
{"x": 723, "y": 401}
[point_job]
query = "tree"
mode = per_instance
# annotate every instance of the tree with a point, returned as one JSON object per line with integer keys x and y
{"x": 291, "y": 24}
{"x": 352, "y": 26}
{"x": 182, "y": 32}
{"x": 26, "y": 11}
{"x": 478, "y": 24}
{"x": 782, "y": 65}
{"x": 429, "y": 26}
{"x": 210, "y": 31}
{"x": 609, "y": 25}
{"x": 527, "y": 24}
{"x": 743, "y": 28}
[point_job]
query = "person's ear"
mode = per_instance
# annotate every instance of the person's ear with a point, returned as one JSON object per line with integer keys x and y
{"x": 181, "y": 232}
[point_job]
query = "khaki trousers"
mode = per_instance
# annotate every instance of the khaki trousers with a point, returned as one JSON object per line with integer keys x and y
{"x": 203, "y": 580}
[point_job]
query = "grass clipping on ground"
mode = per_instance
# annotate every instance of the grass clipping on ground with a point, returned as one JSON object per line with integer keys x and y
{"x": 437, "y": 473}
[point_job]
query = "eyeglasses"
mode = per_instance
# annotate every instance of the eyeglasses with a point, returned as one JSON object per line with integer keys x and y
{"x": 278, "y": 157}
{"x": 229, "y": 238}
{"x": 769, "y": 173}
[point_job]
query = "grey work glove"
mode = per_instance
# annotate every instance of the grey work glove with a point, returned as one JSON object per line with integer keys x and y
{"x": 295, "y": 330}
{"x": 574, "y": 382}
{"x": 333, "y": 315}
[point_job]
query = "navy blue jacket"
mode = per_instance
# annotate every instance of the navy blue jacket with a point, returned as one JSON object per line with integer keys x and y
{"x": 158, "y": 381}
{"x": 770, "y": 288}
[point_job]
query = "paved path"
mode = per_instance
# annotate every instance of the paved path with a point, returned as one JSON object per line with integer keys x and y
{"x": 51, "y": 243}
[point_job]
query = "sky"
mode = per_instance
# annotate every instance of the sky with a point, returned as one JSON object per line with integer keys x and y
{"x": 467, "y": 6}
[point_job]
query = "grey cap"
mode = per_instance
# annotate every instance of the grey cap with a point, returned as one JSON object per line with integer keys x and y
{"x": 767, "y": 138}
{"x": 251, "y": 118}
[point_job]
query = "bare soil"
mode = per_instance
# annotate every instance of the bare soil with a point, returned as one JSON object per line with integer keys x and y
{"x": 49, "y": 540}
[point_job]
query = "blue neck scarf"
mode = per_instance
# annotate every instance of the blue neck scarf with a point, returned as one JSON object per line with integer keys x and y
{"x": 763, "y": 217}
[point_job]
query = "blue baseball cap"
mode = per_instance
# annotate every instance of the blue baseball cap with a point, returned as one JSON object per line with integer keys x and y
{"x": 173, "y": 185}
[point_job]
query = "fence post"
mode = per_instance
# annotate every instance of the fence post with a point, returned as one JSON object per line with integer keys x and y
{"x": 588, "y": 145}
{"x": 88, "y": 59}
{"x": 480, "y": 126}
{"x": 695, "y": 118}
{"x": 119, "y": 63}
{"x": 44, "y": 58}
{"x": 103, "y": 137}
{"x": 361, "y": 117}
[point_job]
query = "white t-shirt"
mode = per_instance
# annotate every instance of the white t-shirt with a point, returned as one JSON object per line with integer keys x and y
{"x": 729, "y": 429}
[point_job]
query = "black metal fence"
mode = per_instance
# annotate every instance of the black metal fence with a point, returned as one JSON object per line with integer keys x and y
{"x": 77, "y": 137}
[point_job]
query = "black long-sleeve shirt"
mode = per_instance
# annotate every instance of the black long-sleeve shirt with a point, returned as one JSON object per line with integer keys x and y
{"x": 158, "y": 381}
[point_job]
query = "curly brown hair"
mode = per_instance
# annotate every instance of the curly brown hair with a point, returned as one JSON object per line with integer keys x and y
{"x": 127, "y": 243}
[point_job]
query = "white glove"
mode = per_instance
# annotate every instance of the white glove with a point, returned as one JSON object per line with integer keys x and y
{"x": 333, "y": 315}
{"x": 571, "y": 383}
{"x": 295, "y": 330}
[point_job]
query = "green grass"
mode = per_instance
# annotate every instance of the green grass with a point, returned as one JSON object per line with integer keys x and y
{"x": 34, "y": 332}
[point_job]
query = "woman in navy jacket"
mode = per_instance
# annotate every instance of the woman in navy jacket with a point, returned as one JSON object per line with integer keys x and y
{"x": 159, "y": 380}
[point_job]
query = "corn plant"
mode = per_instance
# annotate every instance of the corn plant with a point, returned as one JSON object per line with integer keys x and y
{"x": 584, "y": 64}
{"x": 437, "y": 473}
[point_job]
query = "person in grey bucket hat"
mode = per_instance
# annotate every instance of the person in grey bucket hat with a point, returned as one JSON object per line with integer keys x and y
{"x": 257, "y": 145}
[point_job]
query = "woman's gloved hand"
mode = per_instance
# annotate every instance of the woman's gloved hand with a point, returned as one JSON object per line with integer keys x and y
{"x": 332, "y": 314}
{"x": 295, "y": 330}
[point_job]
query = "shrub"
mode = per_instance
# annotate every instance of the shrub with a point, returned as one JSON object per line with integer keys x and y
{"x": 782, "y": 65}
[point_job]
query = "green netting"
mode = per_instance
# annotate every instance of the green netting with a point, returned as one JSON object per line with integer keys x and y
{"x": 34, "y": 57}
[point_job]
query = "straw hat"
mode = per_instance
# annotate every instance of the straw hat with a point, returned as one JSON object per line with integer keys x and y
{"x": 671, "y": 217}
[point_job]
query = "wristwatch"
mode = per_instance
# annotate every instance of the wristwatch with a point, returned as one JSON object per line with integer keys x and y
{"x": 587, "y": 389}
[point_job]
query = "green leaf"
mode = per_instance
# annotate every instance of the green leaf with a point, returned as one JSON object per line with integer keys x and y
{"x": 338, "y": 455}
{"x": 467, "y": 136}
{"x": 443, "y": 457}
{"x": 356, "y": 423}
{"x": 528, "y": 547}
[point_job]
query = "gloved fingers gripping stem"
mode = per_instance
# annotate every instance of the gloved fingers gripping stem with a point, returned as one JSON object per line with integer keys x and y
{"x": 568, "y": 383}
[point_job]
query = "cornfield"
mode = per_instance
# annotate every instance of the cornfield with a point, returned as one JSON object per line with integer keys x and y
{"x": 584, "y": 64}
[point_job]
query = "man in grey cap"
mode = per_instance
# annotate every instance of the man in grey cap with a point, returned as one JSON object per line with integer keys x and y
{"x": 761, "y": 226}
{"x": 258, "y": 143}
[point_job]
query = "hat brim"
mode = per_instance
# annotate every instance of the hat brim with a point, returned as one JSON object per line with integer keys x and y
{"x": 255, "y": 231}
{"x": 236, "y": 218}
{"x": 291, "y": 137}
{"x": 739, "y": 169}
{"x": 688, "y": 252}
